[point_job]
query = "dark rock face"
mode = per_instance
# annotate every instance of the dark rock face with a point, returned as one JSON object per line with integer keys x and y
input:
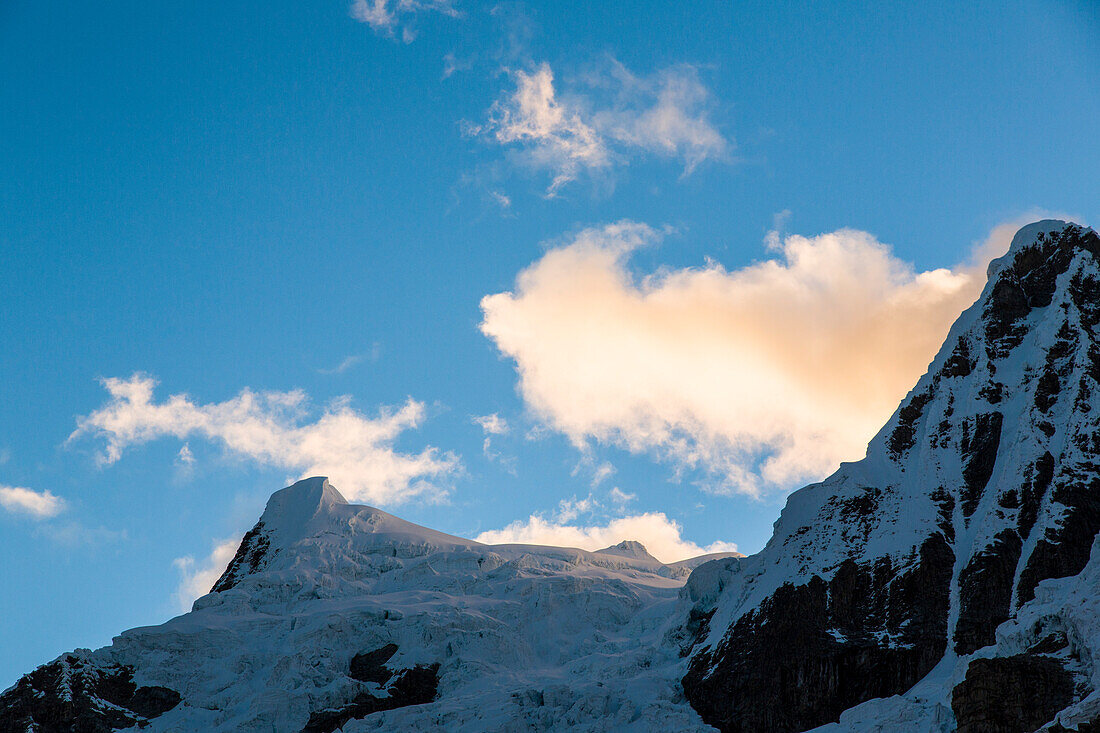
{"x": 1015, "y": 694}
{"x": 980, "y": 441}
{"x": 1064, "y": 548}
{"x": 904, "y": 435}
{"x": 371, "y": 666}
{"x": 812, "y": 651}
{"x": 414, "y": 686}
{"x": 251, "y": 557}
{"x": 72, "y": 695}
{"x": 985, "y": 592}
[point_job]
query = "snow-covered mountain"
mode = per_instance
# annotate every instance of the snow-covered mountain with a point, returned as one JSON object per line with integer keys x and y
{"x": 894, "y": 574}
{"x": 942, "y": 583}
{"x": 336, "y": 615}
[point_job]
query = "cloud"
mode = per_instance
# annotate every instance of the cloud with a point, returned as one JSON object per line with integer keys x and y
{"x": 554, "y": 135}
{"x": 620, "y": 497}
{"x": 196, "y": 580}
{"x": 606, "y": 119}
{"x": 35, "y": 504}
{"x": 666, "y": 114}
{"x": 662, "y": 537}
{"x": 601, "y": 473}
{"x": 491, "y": 424}
{"x": 272, "y": 428}
{"x": 74, "y": 534}
{"x": 764, "y": 377}
{"x": 351, "y": 361}
{"x": 386, "y": 17}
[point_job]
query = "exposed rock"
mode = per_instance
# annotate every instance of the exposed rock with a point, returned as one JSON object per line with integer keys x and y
{"x": 74, "y": 695}
{"x": 250, "y": 557}
{"x": 371, "y": 666}
{"x": 814, "y": 650}
{"x": 1016, "y": 694}
{"x": 985, "y": 592}
{"x": 415, "y": 686}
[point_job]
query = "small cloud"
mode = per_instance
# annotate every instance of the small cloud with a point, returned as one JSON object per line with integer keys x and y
{"x": 353, "y": 360}
{"x": 603, "y": 121}
{"x": 492, "y": 424}
{"x": 386, "y": 17}
{"x": 452, "y": 65}
{"x": 501, "y": 200}
{"x": 620, "y": 497}
{"x": 662, "y": 537}
{"x": 74, "y": 534}
{"x": 196, "y": 579}
{"x": 603, "y": 472}
{"x": 272, "y": 428}
{"x": 570, "y": 509}
{"x": 35, "y": 504}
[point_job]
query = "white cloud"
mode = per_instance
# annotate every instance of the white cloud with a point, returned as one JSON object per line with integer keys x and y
{"x": 272, "y": 428}
{"x": 765, "y": 376}
{"x": 196, "y": 580}
{"x": 36, "y": 504}
{"x": 618, "y": 115}
{"x": 492, "y": 424}
{"x": 555, "y": 134}
{"x": 387, "y": 16}
{"x": 665, "y": 114}
{"x": 601, "y": 473}
{"x": 662, "y": 537}
{"x": 620, "y": 497}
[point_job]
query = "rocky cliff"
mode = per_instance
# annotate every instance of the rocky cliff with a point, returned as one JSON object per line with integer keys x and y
{"x": 894, "y": 574}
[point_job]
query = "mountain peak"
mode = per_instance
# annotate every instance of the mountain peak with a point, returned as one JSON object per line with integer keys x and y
{"x": 303, "y": 498}
{"x": 1035, "y": 243}
{"x": 628, "y": 548}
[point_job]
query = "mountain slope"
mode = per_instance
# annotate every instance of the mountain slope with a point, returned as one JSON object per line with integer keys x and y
{"x": 984, "y": 483}
{"x": 333, "y": 615}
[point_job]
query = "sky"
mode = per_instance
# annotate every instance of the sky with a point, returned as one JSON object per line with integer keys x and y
{"x": 543, "y": 272}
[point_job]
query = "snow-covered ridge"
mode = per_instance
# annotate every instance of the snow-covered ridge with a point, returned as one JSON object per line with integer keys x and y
{"x": 446, "y": 629}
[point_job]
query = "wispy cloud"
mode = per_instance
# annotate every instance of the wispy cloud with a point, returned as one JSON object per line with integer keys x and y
{"x": 604, "y": 120}
{"x": 273, "y": 428}
{"x": 75, "y": 534}
{"x": 662, "y": 537}
{"x": 28, "y": 502}
{"x": 197, "y": 578}
{"x": 492, "y": 424}
{"x": 765, "y": 376}
{"x": 353, "y": 361}
{"x": 395, "y": 18}
{"x": 620, "y": 497}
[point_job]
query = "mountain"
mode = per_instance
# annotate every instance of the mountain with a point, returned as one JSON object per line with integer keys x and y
{"x": 946, "y": 582}
{"x": 894, "y": 578}
{"x": 331, "y": 612}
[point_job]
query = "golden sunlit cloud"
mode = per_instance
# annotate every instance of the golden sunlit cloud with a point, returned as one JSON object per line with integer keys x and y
{"x": 766, "y": 376}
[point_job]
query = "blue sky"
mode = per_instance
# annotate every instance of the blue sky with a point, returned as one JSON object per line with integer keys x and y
{"x": 742, "y": 228}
